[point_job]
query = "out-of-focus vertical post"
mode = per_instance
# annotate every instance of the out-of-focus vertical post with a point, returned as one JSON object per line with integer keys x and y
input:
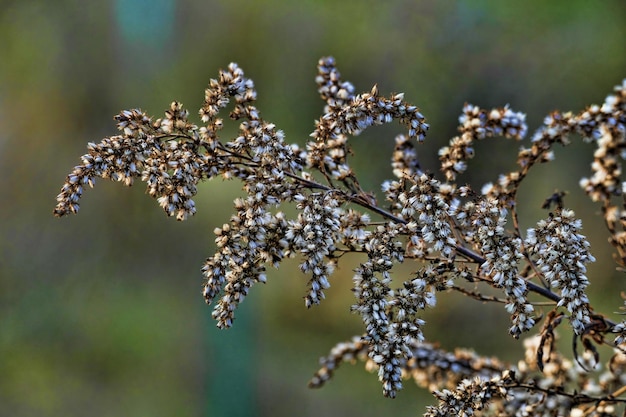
{"x": 230, "y": 368}
{"x": 145, "y": 26}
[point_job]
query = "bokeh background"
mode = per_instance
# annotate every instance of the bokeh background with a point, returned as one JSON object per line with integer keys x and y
{"x": 101, "y": 313}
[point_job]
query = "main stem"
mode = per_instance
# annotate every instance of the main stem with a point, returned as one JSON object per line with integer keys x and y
{"x": 468, "y": 253}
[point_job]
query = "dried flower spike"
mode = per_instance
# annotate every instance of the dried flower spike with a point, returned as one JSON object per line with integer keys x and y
{"x": 457, "y": 239}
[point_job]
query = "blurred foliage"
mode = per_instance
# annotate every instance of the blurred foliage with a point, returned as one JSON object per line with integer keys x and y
{"x": 103, "y": 312}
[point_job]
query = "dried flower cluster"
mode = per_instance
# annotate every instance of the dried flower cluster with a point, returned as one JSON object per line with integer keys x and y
{"x": 458, "y": 239}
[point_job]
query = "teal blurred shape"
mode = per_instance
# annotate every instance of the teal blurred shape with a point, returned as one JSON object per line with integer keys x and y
{"x": 232, "y": 375}
{"x": 148, "y": 22}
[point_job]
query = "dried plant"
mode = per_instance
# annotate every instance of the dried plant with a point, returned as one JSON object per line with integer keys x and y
{"x": 452, "y": 234}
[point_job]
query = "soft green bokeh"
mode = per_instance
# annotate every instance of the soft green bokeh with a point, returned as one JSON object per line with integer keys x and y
{"x": 101, "y": 313}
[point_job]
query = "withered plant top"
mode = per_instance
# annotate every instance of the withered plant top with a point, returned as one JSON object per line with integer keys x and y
{"x": 457, "y": 238}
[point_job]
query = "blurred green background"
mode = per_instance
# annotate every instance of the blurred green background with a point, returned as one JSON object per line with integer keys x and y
{"x": 101, "y": 314}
